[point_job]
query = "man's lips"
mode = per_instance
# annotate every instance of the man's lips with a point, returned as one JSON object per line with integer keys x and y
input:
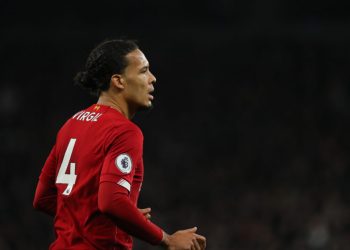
{"x": 150, "y": 96}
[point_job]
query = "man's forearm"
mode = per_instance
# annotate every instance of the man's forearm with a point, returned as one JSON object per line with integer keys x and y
{"x": 116, "y": 203}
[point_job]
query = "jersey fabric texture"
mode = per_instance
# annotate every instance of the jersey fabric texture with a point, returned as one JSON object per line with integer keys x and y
{"x": 94, "y": 147}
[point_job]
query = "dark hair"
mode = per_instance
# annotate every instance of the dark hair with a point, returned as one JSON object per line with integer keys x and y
{"x": 107, "y": 59}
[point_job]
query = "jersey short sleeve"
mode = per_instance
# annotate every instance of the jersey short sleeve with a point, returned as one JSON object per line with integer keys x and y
{"x": 122, "y": 157}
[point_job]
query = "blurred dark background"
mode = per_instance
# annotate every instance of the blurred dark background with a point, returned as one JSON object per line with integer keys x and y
{"x": 249, "y": 136}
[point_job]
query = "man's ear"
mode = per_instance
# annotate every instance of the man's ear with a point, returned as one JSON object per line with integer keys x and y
{"x": 117, "y": 81}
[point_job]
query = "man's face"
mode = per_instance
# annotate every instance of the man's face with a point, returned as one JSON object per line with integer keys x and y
{"x": 138, "y": 81}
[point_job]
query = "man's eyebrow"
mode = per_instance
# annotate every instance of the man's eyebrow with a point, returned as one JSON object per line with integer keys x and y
{"x": 145, "y": 67}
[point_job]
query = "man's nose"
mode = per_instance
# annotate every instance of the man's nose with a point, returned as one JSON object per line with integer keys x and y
{"x": 153, "y": 79}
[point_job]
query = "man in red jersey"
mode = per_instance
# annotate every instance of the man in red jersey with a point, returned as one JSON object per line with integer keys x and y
{"x": 91, "y": 180}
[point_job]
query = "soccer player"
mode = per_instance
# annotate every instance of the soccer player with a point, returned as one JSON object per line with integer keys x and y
{"x": 92, "y": 177}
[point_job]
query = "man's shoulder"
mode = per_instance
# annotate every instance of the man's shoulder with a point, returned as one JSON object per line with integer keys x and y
{"x": 102, "y": 121}
{"x": 126, "y": 128}
{"x": 115, "y": 125}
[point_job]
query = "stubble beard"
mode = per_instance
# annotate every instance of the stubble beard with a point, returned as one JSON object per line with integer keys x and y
{"x": 146, "y": 108}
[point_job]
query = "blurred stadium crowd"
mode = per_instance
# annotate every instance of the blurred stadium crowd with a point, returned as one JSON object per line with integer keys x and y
{"x": 248, "y": 139}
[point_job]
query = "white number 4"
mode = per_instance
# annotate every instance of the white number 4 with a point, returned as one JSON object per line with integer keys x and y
{"x": 70, "y": 178}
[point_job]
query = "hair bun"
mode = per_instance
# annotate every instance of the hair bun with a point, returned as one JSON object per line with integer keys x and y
{"x": 84, "y": 80}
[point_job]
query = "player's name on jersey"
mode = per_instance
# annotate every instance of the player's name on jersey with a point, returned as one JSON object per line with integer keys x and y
{"x": 86, "y": 116}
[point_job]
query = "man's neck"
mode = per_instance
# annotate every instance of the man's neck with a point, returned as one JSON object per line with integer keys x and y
{"x": 116, "y": 103}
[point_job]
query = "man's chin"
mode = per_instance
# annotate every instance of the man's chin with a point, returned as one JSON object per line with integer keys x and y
{"x": 146, "y": 107}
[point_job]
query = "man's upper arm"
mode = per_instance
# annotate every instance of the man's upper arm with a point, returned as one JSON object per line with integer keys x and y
{"x": 124, "y": 154}
{"x": 45, "y": 198}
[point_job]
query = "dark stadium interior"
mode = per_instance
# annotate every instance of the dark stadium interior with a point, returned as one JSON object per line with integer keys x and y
{"x": 248, "y": 139}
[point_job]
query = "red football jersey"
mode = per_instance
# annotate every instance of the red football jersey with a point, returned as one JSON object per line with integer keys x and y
{"x": 95, "y": 145}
